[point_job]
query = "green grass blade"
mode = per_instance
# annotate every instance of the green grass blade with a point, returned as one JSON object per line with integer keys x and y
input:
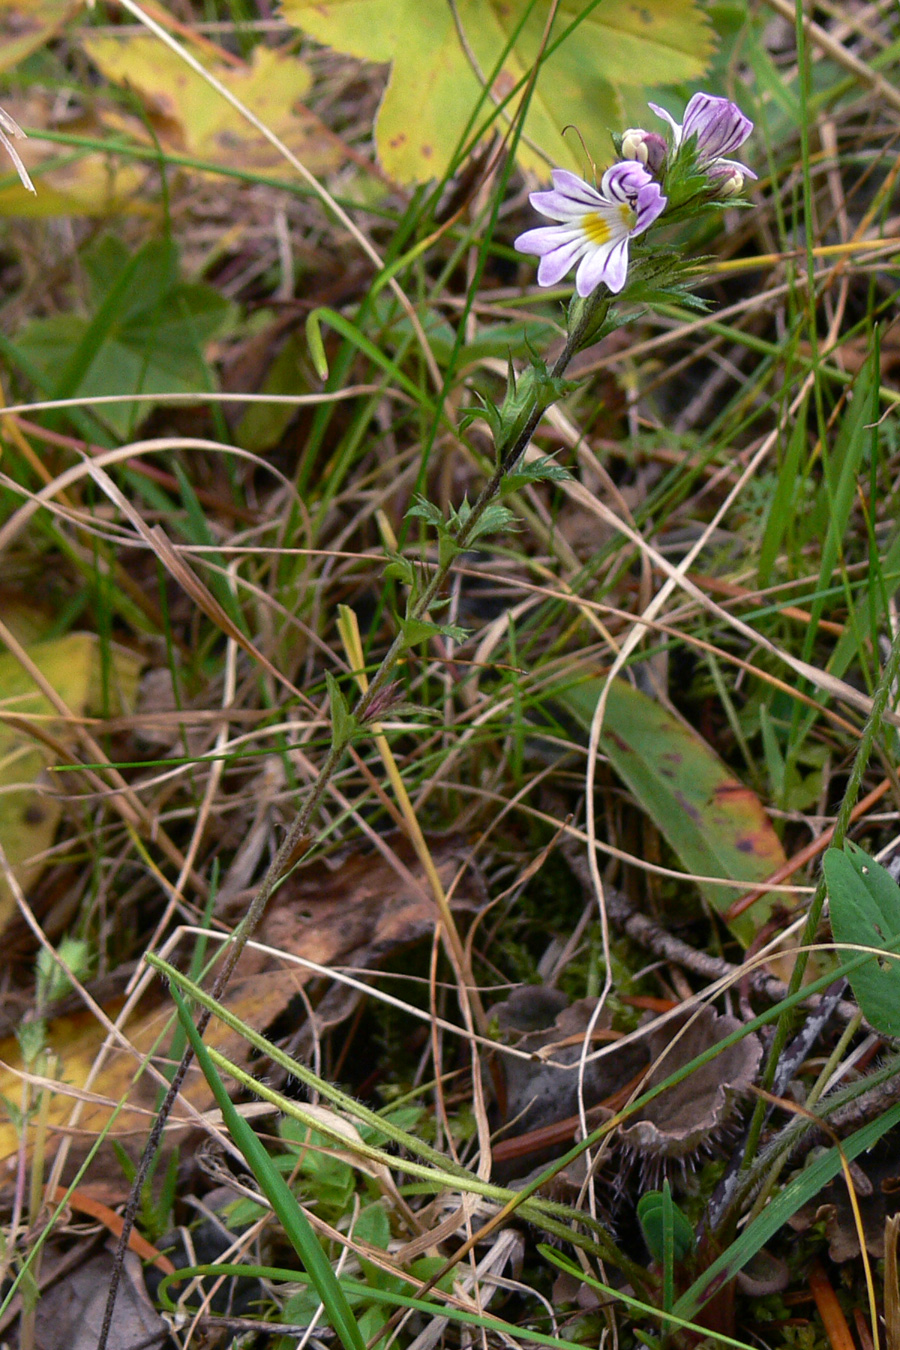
{"x": 296, "y": 1225}
{"x": 431, "y": 1309}
{"x": 795, "y": 1195}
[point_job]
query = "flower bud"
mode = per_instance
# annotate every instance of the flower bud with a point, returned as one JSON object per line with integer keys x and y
{"x": 726, "y": 182}
{"x": 645, "y": 146}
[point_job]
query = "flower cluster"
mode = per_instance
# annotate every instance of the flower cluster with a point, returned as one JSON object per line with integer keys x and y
{"x": 715, "y": 128}
{"x": 595, "y": 226}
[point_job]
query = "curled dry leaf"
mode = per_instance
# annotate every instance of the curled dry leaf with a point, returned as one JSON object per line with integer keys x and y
{"x": 539, "y": 1119}
{"x": 689, "y": 1118}
{"x": 765, "y": 1274}
{"x": 70, "y": 1311}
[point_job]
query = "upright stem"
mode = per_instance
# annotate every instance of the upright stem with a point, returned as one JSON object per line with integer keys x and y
{"x": 587, "y": 319}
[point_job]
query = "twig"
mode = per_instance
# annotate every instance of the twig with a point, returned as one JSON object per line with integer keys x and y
{"x": 658, "y": 940}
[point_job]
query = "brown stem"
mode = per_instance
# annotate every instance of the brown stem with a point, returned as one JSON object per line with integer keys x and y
{"x": 285, "y": 855}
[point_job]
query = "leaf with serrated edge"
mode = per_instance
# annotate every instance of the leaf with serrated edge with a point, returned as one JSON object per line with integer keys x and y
{"x": 189, "y": 116}
{"x": 591, "y": 81}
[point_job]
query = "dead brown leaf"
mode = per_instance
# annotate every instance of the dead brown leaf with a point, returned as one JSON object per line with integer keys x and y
{"x": 352, "y": 914}
{"x": 70, "y": 1312}
{"x": 876, "y": 1180}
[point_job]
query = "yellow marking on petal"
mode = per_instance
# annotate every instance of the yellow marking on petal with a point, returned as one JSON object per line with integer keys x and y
{"x": 596, "y": 228}
{"x": 629, "y": 216}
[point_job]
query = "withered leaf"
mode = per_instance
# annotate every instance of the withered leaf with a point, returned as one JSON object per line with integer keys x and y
{"x": 353, "y": 915}
{"x": 541, "y": 1094}
{"x": 876, "y": 1182}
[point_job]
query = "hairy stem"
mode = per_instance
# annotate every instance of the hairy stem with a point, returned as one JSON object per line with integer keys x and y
{"x": 588, "y": 321}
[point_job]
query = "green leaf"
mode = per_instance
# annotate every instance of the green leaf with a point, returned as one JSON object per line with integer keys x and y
{"x": 487, "y": 412}
{"x": 543, "y": 470}
{"x": 316, "y": 345}
{"x": 343, "y": 723}
{"x": 420, "y": 630}
{"x": 493, "y": 519}
{"x": 146, "y": 334}
{"x": 263, "y": 424}
{"x": 651, "y": 1212}
{"x": 423, "y": 509}
{"x": 533, "y": 390}
{"x": 864, "y": 902}
{"x": 401, "y": 569}
{"x": 373, "y": 1226}
{"x": 714, "y": 823}
{"x": 591, "y": 79}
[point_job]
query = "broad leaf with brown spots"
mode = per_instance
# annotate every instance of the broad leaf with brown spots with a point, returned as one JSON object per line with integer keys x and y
{"x": 591, "y": 80}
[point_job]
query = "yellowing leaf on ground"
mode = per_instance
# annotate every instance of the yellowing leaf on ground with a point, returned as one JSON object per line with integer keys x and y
{"x": 70, "y": 182}
{"x": 25, "y": 25}
{"x": 190, "y": 117}
{"x": 592, "y": 80}
{"x": 714, "y": 823}
{"x": 30, "y": 805}
{"x": 354, "y": 915}
{"x": 75, "y": 1040}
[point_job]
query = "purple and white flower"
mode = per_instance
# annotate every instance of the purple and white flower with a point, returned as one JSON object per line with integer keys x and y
{"x": 594, "y": 226}
{"x": 719, "y": 128}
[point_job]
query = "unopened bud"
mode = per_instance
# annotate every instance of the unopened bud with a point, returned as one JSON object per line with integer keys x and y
{"x": 727, "y": 182}
{"x": 646, "y": 147}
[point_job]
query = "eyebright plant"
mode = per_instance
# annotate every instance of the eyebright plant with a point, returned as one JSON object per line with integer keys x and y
{"x": 593, "y": 232}
{"x": 595, "y": 229}
{"x": 595, "y": 226}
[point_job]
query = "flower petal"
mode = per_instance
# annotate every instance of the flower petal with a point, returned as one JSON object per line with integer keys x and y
{"x": 544, "y": 239}
{"x": 733, "y": 164}
{"x": 572, "y": 185}
{"x": 718, "y": 124}
{"x": 624, "y": 181}
{"x": 557, "y": 206}
{"x": 554, "y": 266}
{"x": 676, "y": 129}
{"x": 649, "y": 205}
{"x": 608, "y": 264}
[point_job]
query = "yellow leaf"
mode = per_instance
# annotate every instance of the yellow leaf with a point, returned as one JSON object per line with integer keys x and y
{"x": 25, "y": 25}
{"x": 69, "y": 182}
{"x": 74, "y": 1041}
{"x": 30, "y": 805}
{"x": 190, "y": 117}
{"x": 587, "y": 81}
